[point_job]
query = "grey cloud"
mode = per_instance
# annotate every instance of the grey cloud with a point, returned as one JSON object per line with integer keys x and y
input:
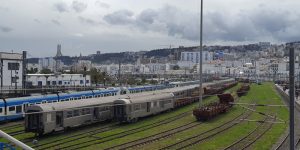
{"x": 5, "y": 29}
{"x": 79, "y": 6}
{"x": 37, "y": 20}
{"x": 4, "y": 8}
{"x": 102, "y": 4}
{"x": 120, "y": 17}
{"x": 61, "y": 7}
{"x": 218, "y": 26}
{"x": 271, "y": 21}
{"x": 87, "y": 20}
{"x": 56, "y": 22}
{"x": 147, "y": 16}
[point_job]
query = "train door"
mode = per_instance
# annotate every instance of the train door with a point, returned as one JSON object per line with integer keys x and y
{"x": 34, "y": 121}
{"x": 148, "y": 106}
{"x": 59, "y": 119}
{"x": 120, "y": 112}
{"x": 96, "y": 113}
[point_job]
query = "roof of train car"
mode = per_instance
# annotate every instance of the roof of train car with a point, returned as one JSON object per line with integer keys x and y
{"x": 132, "y": 97}
{"x": 73, "y": 104}
{"x": 18, "y": 100}
{"x": 146, "y": 98}
{"x": 85, "y": 103}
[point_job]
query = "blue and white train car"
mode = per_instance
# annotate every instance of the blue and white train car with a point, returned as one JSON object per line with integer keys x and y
{"x": 13, "y": 108}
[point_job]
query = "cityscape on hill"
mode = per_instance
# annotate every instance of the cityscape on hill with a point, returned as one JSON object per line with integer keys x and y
{"x": 150, "y": 75}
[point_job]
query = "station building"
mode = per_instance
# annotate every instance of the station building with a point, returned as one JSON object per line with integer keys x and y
{"x": 11, "y": 71}
{"x": 41, "y": 80}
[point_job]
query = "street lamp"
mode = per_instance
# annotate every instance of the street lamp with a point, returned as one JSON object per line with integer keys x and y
{"x": 200, "y": 61}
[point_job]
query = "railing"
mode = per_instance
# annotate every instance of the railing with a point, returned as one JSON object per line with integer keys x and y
{"x": 12, "y": 140}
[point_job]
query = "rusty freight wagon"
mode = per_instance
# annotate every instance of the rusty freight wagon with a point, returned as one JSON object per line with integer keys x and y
{"x": 211, "y": 110}
{"x": 243, "y": 90}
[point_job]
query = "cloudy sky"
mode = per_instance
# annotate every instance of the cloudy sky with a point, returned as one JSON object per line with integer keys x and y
{"x": 131, "y": 25}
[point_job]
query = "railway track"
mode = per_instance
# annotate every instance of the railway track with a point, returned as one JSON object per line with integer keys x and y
{"x": 282, "y": 142}
{"x": 51, "y": 144}
{"x": 11, "y": 126}
{"x": 159, "y": 136}
{"x": 198, "y": 138}
{"x": 100, "y": 140}
{"x": 248, "y": 140}
{"x": 16, "y": 132}
{"x": 67, "y": 139}
{"x": 156, "y": 137}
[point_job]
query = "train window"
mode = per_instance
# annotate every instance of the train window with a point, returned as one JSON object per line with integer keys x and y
{"x": 76, "y": 113}
{"x": 143, "y": 106}
{"x": 54, "y": 101}
{"x": 161, "y": 104}
{"x": 18, "y": 109}
{"x": 1, "y": 110}
{"x": 83, "y": 112}
{"x": 37, "y": 103}
{"x": 69, "y": 114}
{"x": 102, "y": 109}
{"x": 43, "y": 102}
{"x": 137, "y": 107}
{"x": 155, "y": 104}
{"x": 12, "y": 108}
{"x": 25, "y": 105}
{"x": 87, "y": 111}
{"x": 90, "y": 96}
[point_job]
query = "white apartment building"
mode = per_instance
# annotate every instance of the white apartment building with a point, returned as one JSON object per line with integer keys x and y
{"x": 58, "y": 80}
{"x": 47, "y": 63}
{"x": 195, "y": 56}
{"x": 190, "y": 59}
{"x": 81, "y": 64}
{"x": 11, "y": 70}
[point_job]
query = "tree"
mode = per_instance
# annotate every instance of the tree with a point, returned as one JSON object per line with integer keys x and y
{"x": 98, "y": 77}
{"x": 46, "y": 71}
{"x": 176, "y": 67}
{"x": 95, "y": 75}
{"x": 153, "y": 82}
{"x": 32, "y": 70}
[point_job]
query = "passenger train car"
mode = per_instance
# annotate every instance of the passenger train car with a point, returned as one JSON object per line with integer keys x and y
{"x": 59, "y": 116}
{"x": 13, "y": 108}
{"x": 129, "y": 110}
{"x": 46, "y": 118}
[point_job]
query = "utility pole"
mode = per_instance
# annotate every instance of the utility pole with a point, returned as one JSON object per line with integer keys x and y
{"x": 292, "y": 93}
{"x": 24, "y": 72}
{"x": 200, "y": 61}
{"x": 119, "y": 73}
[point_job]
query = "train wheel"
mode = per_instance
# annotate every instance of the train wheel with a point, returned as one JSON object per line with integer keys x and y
{"x": 134, "y": 120}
